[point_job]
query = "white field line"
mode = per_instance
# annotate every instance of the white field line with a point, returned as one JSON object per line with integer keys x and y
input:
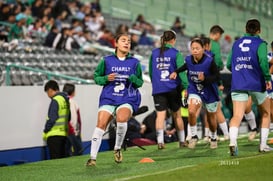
{"x": 154, "y": 173}
{"x": 187, "y": 166}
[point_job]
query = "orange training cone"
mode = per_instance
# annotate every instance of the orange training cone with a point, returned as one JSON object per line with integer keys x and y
{"x": 146, "y": 160}
{"x": 270, "y": 141}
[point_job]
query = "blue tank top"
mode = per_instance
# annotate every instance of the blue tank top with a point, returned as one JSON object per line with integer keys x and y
{"x": 121, "y": 90}
{"x": 162, "y": 67}
{"x": 246, "y": 72}
{"x": 207, "y": 92}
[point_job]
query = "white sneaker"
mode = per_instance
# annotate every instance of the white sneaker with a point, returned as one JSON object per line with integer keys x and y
{"x": 225, "y": 138}
{"x": 193, "y": 142}
{"x": 206, "y": 139}
{"x": 266, "y": 149}
{"x": 213, "y": 144}
{"x": 252, "y": 135}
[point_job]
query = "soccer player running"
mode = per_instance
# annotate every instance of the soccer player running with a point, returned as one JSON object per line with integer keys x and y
{"x": 166, "y": 92}
{"x": 250, "y": 77}
{"x": 203, "y": 75}
{"x": 215, "y": 35}
{"x": 120, "y": 75}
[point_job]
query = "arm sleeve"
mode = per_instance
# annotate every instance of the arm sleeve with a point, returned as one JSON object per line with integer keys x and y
{"x": 215, "y": 75}
{"x": 137, "y": 79}
{"x": 99, "y": 76}
{"x": 229, "y": 61}
{"x": 262, "y": 54}
{"x": 74, "y": 114}
{"x": 183, "y": 75}
{"x": 52, "y": 115}
{"x": 182, "y": 68}
{"x": 216, "y": 50}
{"x": 150, "y": 67}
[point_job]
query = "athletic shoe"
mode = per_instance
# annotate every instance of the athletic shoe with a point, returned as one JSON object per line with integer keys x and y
{"x": 225, "y": 138}
{"x": 183, "y": 144}
{"x": 193, "y": 142}
{"x": 266, "y": 149}
{"x": 118, "y": 156}
{"x": 161, "y": 146}
{"x": 90, "y": 163}
{"x": 213, "y": 143}
{"x": 233, "y": 150}
{"x": 188, "y": 138}
{"x": 252, "y": 135}
{"x": 206, "y": 139}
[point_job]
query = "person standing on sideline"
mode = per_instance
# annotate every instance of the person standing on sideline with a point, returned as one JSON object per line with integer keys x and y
{"x": 203, "y": 76}
{"x": 74, "y": 131}
{"x": 120, "y": 75}
{"x": 166, "y": 92}
{"x": 56, "y": 127}
{"x": 248, "y": 64}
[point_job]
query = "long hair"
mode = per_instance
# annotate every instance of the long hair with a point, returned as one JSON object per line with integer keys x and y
{"x": 167, "y": 36}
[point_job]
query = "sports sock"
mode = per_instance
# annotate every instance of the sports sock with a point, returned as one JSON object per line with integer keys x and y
{"x": 206, "y": 132}
{"x": 264, "y": 136}
{"x": 181, "y": 135}
{"x": 96, "y": 142}
{"x": 120, "y": 134}
{"x": 193, "y": 130}
{"x": 213, "y": 135}
{"x": 189, "y": 130}
{"x": 233, "y": 134}
{"x": 160, "y": 136}
{"x": 250, "y": 117}
{"x": 224, "y": 128}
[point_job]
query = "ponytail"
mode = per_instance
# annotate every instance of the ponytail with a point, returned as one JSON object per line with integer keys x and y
{"x": 167, "y": 36}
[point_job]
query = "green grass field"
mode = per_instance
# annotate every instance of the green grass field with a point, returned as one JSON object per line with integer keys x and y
{"x": 171, "y": 164}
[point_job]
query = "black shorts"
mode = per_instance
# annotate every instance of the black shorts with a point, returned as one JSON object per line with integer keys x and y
{"x": 171, "y": 100}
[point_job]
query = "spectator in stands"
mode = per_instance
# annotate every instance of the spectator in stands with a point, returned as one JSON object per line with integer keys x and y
{"x": 142, "y": 25}
{"x": 94, "y": 22}
{"x": 5, "y": 12}
{"x": 145, "y": 40}
{"x": 122, "y": 28}
{"x": 61, "y": 8}
{"x": 134, "y": 41}
{"x": 55, "y": 130}
{"x": 121, "y": 76}
{"x": 64, "y": 40}
{"x": 74, "y": 145}
{"x": 96, "y": 5}
{"x": 107, "y": 39}
{"x": 178, "y": 27}
{"x": 37, "y": 8}
{"x": 250, "y": 77}
{"x": 37, "y": 30}
{"x": 51, "y": 36}
{"x": 16, "y": 31}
